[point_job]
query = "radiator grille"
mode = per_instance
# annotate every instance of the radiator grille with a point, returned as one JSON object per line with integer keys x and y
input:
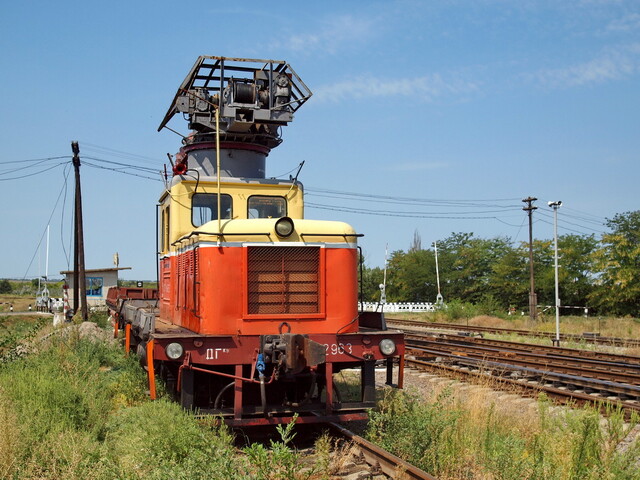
{"x": 283, "y": 280}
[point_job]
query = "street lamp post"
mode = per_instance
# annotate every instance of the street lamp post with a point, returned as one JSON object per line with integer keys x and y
{"x": 555, "y": 206}
{"x": 439, "y": 299}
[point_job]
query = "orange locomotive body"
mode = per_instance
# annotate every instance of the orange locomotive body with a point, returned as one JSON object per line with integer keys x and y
{"x": 256, "y": 316}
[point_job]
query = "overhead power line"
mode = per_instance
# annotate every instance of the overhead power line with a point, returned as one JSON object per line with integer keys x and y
{"x": 120, "y": 154}
{"x": 398, "y": 199}
{"x": 53, "y": 210}
{"x": 32, "y": 174}
{"x": 390, "y": 213}
{"x": 35, "y": 160}
{"x": 124, "y": 172}
{"x": 124, "y": 165}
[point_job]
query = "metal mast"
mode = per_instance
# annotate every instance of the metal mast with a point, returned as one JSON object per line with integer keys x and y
{"x": 533, "y": 301}
{"x": 439, "y": 299}
{"x": 555, "y": 206}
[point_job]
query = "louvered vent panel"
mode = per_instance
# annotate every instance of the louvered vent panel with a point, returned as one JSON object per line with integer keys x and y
{"x": 284, "y": 280}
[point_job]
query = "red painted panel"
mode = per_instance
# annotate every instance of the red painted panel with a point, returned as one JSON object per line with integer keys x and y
{"x": 217, "y": 303}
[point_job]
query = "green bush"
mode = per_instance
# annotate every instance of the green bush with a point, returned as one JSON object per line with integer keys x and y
{"x": 457, "y": 310}
{"x": 5, "y": 286}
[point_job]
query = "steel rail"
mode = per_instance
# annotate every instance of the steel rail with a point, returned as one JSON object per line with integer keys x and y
{"x": 589, "y": 338}
{"x": 562, "y": 395}
{"x": 573, "y": 366}
{"x": 587, "y": 355}
{"x": 390, "y": 464}
{"x": 548, "y": 375}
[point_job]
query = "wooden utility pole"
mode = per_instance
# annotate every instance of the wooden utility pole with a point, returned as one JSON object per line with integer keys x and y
{"x": 79, "y": 279}
{"x": 533, "y": 300}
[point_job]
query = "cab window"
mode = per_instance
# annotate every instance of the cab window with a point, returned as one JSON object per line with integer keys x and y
{"x": 204, "y": 207}
{"x": 261, "y": 206}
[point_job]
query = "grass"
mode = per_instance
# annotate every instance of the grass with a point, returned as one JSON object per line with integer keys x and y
{"x": 15, "y": 330}
{"x": 20, "y": 303}
{"x": 456, "y": 437}
{"x": 78, "y": 409}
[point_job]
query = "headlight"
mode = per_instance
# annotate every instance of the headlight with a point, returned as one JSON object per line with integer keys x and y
{"x": 284, "y": 227}
{"x": 387, "y": 346}
{"x": 174, "y": 351}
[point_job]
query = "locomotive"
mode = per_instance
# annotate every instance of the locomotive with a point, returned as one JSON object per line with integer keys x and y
{"x": 256, "y": 311}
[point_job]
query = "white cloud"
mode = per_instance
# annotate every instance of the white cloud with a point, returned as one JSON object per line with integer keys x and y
{"x": 627, "y": 23}
{"x": 332, "y": 35}
{"x": 424, "y": 88}
{"x": 614, "y": 64}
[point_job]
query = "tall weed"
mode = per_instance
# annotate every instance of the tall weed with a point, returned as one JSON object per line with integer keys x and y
{"x": 457, "y": 439}
{"x": 159, "y": 440}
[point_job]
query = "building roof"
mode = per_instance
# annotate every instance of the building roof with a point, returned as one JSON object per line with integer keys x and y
{"x": 96, "y": 270}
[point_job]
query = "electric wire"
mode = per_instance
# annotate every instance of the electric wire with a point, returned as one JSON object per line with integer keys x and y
{"x": 462, "y": 202}
{"x": 35, "y": 160}
{"x": 388, "y": 213}
{"x": 67, "y": 256}
{"x": 119, "y": 153}
{"x": 419, "y": 202}
{"x": 287, "y": 173}
{"x": 13, "y": 169}
{"x": 447, "y": 208}
{"x": 45, "y": 229}
{"x": 123, "y": 165}
{"x": 562, "y": 227}
{"x": 120, "y": 171}
{"x": 565, "y": 221}
{"x": 33, "y": 174}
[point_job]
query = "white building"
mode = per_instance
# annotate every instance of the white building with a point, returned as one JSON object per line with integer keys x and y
{"x": 98, "y": 282}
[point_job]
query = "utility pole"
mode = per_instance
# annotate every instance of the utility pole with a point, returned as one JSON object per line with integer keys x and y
{"x": 556, "y": 206}
{"x": 533, "y": 300}
{"x": 79, "y": 279}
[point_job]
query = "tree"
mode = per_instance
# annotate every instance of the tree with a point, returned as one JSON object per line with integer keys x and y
{"x": 575, "y": 272}
{"x": 467, "y": 265}
{"x": 617, "y": 264}
{"x": 5, "y": 286}
{"x": 509, "y": 277}
{"x": 371, "y": 280}
{"x": 411, "y": 276}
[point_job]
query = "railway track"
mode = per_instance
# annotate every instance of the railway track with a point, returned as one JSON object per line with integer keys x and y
{"x": 379, "y": 459}
{"x": 585, "y": 337}
{"x": 351, "y": 456}
{"x": 565, "y": 374}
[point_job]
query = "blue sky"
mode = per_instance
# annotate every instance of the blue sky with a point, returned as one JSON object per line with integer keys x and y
{"x": 466, "y": 107}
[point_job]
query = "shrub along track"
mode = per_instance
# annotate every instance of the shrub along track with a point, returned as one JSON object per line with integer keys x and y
{"x": 565, "y": 374}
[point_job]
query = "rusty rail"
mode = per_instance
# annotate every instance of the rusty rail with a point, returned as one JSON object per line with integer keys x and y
{"x": 390, "y": 465}
{"x": 588, "y": 337}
